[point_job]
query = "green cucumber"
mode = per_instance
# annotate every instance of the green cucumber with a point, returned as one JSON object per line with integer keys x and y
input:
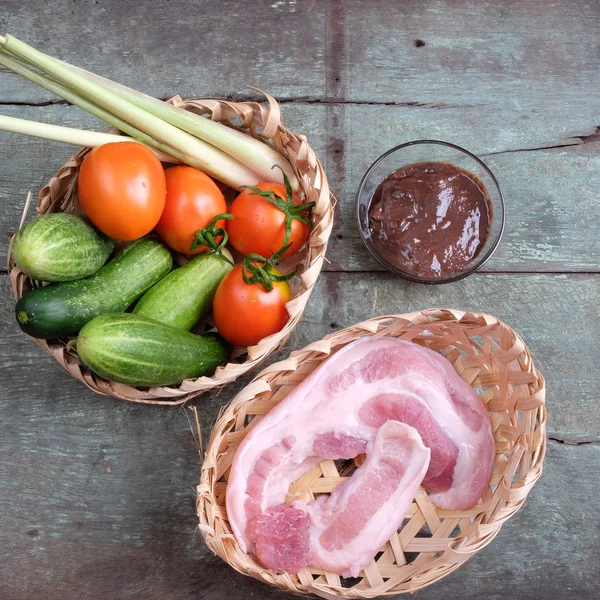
{"x": 127, "y": 348}
{"x": 60, "y": 247}
{"x": 62, "y": 309}
{"x": 185, "y": 295}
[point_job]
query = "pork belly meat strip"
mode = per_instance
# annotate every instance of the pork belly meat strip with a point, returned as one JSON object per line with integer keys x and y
{"x": 351, "y": 405}
{"x": 327, "y": 533}
{"x": 351, "y": 526}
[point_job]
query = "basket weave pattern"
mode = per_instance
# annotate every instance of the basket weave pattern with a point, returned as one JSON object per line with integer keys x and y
{"x": 489, "y": 356}
{"x": 261, "y": 122}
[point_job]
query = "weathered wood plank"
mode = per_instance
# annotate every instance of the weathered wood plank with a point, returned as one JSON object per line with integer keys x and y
{"x": 158, "y": 47}
{"x": 555, "y": 314}
{"x": 551, "y": 195}
{"x": 449, "y": 52}
{"x": 525, "y": 54}
{"x": 105, "y": 488}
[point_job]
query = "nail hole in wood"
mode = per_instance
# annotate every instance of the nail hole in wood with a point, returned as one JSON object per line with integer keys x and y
{"x": 418, "y": 43}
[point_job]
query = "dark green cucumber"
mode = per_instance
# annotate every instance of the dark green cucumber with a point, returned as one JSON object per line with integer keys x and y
{"x": 60, "y": 247}
{"x": 127, "y": 348}
{"x": 185, "y": 295}
{"x": 62, "y": 309}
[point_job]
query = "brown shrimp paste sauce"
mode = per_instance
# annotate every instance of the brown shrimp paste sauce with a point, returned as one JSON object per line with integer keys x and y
{"x": 430, "y": 219}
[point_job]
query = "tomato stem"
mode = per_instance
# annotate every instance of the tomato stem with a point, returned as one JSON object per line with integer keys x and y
{"x": 208, "y": 235}
{"x": 263, "y": 274}
{"x": 287, "y": 206}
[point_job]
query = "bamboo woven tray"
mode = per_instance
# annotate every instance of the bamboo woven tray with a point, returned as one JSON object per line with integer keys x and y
{"x": 432, "y": 543}
{"x": 261, "y": 122}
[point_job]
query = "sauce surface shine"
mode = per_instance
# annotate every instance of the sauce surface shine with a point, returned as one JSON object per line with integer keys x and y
{"x": 430, "y": 219}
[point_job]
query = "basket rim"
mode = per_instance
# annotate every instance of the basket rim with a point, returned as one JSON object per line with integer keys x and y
{"x": 502, "y": 503}
{"x": 263, "y": 122}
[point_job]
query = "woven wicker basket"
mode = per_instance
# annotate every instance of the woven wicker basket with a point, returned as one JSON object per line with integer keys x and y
{"x": 432, "y": 543}
{"x": 261, "y": 122}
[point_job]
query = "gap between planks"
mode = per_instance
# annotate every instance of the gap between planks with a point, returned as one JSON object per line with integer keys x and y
{"x": 571, "y": 442}
{"x": 327, "y": 269}
{"x": 296, "y": 100}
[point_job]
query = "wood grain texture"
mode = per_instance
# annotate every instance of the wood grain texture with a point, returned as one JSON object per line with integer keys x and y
{"x": 196, "y": 47}
{"x": 507, "y": 53}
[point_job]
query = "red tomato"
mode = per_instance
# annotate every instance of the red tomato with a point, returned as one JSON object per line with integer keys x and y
{"x": 246, "y": 313}
{"x": 122, "y": 189}
{"x": 259, "y": 226}
{"x": 193, "y": 199}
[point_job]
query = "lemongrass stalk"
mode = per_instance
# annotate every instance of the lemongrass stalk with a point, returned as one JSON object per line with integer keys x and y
{"x": 199, "y": 154}
{"x": 57, "y": 133}
{"x": 69, "y": 95}
{"x": 251, "y": 152}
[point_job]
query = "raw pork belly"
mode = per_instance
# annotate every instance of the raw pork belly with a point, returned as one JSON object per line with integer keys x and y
{"x": 406, "y": 408}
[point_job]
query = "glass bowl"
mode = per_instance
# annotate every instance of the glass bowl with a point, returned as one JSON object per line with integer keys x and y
{"x": 430, "y": 151}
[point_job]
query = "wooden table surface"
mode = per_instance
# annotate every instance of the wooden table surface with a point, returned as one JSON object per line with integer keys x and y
{"x": 97, "y": 495}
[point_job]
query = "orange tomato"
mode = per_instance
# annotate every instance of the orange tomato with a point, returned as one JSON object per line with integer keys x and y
{"x": 259, "y": 226}
{"x": 193, "y": 199}
{"x": 122, "y": 189}
{"x": 246, "y": 313}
